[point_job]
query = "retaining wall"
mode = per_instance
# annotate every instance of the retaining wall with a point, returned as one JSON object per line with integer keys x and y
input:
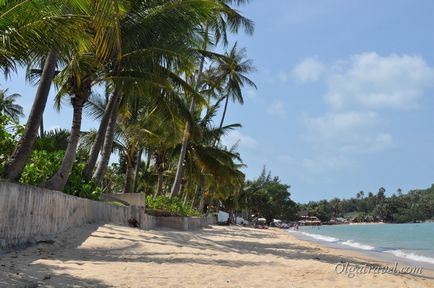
{"x": 181, "y": 223}
{"x": 29, "y": 214}
{"x": 137, "y": 199}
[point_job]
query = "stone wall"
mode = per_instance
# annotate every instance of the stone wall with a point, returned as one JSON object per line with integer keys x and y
{"x": 29, "y": 214}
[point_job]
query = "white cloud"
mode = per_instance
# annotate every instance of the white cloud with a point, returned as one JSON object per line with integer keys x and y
{"x": 244, "y": 141}
{"x": 277, "y": 108}
{"x": 309, "y": 70}
{"x": 339, "y": 126}
{"x": 371, "y": 81}
{"x": 348, "y": 132}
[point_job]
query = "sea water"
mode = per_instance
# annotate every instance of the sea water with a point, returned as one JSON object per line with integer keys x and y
{"x": 411, "y": 242}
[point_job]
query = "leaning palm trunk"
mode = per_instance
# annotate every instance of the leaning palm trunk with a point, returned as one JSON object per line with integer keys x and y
{"x": 176, "y": 187}
{"x": 224, "y": 112}
{"x": 96, "y": 148}
{"x": 58, "y": 181}
{"x": 108, "y": 143}
{"x": 137, "y": 168}
{"x": 15, "y": 166}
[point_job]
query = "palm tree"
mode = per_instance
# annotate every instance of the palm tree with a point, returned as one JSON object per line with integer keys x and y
{"x": 45, "y": 29}
{"x": 232, "y": 70}
{"x": 148, "y": 40}
{"x": 79, "y": 88}
{"x": 224, "y": 20}
{"x": 8, "y": 106}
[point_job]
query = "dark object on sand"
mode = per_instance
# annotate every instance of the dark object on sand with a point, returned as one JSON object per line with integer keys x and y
{"x": 133, "y": 222}
{"x": 46, "y": 241}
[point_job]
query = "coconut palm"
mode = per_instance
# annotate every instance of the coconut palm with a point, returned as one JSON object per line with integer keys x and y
{"x": 214, "y": 30}
{"x": 76, "y": 81}
{"x": 8, "y": 106}
{"x": 232, "y": 70}
{"x": 29, "y": 31}
{"x": 147, "y": 39}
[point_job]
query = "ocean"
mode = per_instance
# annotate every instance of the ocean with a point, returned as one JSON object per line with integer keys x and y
{"x": 410, "y": 243}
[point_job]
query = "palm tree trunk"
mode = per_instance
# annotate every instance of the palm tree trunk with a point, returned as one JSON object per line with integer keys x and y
{"x": 224, "y": 111}
{"x": 136, "y": 174}
{"x": 58, "y": 181}
{"x": 196, "y": 190}
{"x": 108, "y": 143}
{"x": 94, "y": 153}
{"x": 159, "y": 182}
{"x": 129, "y": 178}
{"x": 176, "y": 187}
{"x": 13, "y": 169}
{"x": 41, "y": 127}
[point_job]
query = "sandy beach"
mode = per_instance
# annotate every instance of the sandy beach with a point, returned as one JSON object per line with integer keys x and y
{"x": 116, "y": 256}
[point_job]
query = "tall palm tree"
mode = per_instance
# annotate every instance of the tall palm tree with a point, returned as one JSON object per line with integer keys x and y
{"x": 224, "y": 20}
{"x": 77, "y": 82}
{"x": 8, "y": 106}
{"x": 147, "y": 40}
{"x": 29, "y": 31}
{"x": 232, "y": 70}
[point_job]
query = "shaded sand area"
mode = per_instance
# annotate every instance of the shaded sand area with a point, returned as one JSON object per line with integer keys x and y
{"x": 115, "y": 256}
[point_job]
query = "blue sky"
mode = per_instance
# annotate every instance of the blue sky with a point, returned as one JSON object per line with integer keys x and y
{"x": 344, "y": 101}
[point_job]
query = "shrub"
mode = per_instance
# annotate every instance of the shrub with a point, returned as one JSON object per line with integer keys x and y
{"x": 44, "y": 164}
{"x": 10, "y": 131}
{"x": 172, "y": 205}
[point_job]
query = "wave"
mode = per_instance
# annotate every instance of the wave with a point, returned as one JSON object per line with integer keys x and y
{"x": 410, "y": 256}
{"x": 321, "y": 237}
{"x": 353, "y": 244}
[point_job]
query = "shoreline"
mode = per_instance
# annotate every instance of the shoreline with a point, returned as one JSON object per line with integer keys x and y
{"x": 388, "y": 255}
{"x": 219, "y": 256}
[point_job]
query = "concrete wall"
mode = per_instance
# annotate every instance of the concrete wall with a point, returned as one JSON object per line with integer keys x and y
{"x": 181, "y": 223}
{"x": 29, "y": 214}
{"x": 137, "y": 199}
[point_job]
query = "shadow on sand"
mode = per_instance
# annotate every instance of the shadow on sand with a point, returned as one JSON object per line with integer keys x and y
{"x": 209, "y": 244}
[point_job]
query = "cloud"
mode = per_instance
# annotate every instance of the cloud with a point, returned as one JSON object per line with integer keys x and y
{"x": 371, "y": 81}
{"x": 277, "y": 108}
{"x": 309, "y": 70}
{"x": 244, "y": 141}
{"x": 339, "y": 126}
{"x": 357, "y": 90}
{"x": 348, "y": 132}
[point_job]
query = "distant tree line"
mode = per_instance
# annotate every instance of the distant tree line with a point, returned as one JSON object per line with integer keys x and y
{"x": 416, "y": 205}
{"x": 265, "y": 197}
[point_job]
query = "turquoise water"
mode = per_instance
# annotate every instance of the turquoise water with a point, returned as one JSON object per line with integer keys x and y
{"x": 413, "y": 242}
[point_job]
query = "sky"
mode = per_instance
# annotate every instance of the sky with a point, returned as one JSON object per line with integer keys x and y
{"x": 344, "y": 100}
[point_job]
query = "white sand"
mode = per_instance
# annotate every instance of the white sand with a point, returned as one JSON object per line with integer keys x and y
{"x": 115, "y": 256}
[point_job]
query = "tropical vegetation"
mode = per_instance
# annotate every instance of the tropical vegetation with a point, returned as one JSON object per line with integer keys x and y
{"x": 150, "y": 74}
{"x": 414, "y": 206}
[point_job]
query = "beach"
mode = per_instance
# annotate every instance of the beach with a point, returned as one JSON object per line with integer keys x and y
{"x": 218, "y": 256}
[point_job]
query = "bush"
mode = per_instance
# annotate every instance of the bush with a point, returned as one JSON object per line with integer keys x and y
{"x": 171, "y": 205}
{"x": 10, "y": 131}
{"x": 44, "y": 164}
